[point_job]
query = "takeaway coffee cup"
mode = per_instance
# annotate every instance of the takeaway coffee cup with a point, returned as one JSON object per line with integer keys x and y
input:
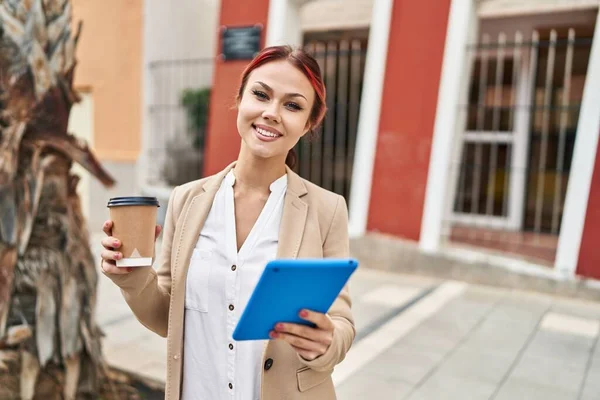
{"x": 134, "y": 222}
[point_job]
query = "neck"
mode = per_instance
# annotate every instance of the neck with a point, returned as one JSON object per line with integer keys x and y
{"x": 258, "y": 173}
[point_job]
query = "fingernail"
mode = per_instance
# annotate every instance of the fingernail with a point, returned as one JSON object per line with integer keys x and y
{"x": 273, "y": 334}
{"x": 304, "y": 313}
{"x": 279, "y": 326}
{"x": 129, "y": 269}
{"x": 116, "y": 242}
{"x": 117, "y": 256}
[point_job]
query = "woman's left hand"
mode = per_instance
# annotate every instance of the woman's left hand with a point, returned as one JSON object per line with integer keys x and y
{"x": 308, "y": 342}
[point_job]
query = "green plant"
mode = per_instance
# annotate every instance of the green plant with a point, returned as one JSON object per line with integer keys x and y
{"x": 196, "y": 103}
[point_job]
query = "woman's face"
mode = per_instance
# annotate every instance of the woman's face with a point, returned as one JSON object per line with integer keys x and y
{"x": 274, "y": 110}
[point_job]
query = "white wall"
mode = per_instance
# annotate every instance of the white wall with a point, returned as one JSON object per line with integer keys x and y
{"x": 323, "y": 15}
{"x": 527, "y": 23}
{"x": 81, "y": 124}
{"x": 497, "y": 8}
{"x": 183, "y": 30}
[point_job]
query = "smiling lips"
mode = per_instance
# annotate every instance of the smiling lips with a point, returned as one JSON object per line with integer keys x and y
{"x": 266, "y": 133}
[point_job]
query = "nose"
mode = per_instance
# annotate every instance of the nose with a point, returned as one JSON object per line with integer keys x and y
{"x": 271, "y": 113}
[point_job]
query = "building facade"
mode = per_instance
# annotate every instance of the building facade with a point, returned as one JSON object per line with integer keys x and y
{"x": 478, "y": 123}
{"x": 108, "y": 76}
{"x": 467, "y": 127}
{"x": 128, "y": 59}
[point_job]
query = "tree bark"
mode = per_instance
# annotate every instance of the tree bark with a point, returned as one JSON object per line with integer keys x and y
{"x": 49, "y": 342}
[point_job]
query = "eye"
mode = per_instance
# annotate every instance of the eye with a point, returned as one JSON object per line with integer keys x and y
{"x": 260, "y": 95}
{"x": 294, "y": 106}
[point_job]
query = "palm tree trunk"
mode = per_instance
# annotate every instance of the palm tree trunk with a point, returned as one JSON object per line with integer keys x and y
{"x": 49, "y": 342}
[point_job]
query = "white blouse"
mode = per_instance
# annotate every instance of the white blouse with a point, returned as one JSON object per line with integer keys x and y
{"x": 219, "y": 284}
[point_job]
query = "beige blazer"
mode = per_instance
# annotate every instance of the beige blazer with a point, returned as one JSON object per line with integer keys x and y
{"x": 314, "y": 225}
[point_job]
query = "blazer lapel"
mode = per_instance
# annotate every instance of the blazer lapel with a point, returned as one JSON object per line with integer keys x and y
{"x": 193, "y": 220}
{"x": 293, "y": 220}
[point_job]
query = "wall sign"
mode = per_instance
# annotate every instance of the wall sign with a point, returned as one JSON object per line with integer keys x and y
{"x": 240, "y": 43}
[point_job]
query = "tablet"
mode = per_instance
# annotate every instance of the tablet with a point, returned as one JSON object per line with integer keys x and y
{"x": 288, "y": 286}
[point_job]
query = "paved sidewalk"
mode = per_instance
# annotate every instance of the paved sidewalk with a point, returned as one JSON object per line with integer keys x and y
{"x": 483, "y": 343}
{"x": 426, "y": 339}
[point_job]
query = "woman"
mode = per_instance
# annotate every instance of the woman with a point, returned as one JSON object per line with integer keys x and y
{"x": 220, "y": 232}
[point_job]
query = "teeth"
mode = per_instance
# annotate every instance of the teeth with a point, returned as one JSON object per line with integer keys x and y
{"x": 265, "y": 133}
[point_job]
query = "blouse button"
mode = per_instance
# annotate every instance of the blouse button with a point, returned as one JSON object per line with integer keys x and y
{"x": 230, "y": 346}
{"x": 268, "y": 364}
{"x": 231, "y": 307}
{"x": 233, "y": 267}
{"x": 230, "y": 386}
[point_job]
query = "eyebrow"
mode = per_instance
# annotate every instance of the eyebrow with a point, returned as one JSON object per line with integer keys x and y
{"x": 267, "y": 87}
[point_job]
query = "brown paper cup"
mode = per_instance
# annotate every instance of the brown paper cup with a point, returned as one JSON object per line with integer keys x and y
{"x": 134, "y": 222}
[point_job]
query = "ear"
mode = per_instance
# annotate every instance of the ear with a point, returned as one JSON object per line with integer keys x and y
{"x": 307, "y": 128}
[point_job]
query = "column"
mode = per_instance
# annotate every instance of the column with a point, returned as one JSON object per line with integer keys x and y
{"x": 576, "y": 245}
{"x": 462, "y": 27}
{"x": 407, "y": 117}
{"x": 284, "y": 23}
{"x": 370, "y": 112}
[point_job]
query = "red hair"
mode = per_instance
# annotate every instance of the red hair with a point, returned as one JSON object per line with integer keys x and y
{"x": 305, "y": 64}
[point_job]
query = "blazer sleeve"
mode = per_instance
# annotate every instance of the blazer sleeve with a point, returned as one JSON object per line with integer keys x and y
{"x": 337, "y": 245}
{"x": 148, "y": 291}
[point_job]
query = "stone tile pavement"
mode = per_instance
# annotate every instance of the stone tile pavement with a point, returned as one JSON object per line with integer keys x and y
{"x": 425, "y": 339}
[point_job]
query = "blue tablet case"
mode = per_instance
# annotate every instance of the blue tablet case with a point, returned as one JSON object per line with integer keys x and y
{"x": 288, "y": 286}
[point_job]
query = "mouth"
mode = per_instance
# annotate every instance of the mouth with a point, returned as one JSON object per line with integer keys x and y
{"x": 265, "y": 133}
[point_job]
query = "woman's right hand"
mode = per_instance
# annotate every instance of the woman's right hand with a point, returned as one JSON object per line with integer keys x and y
{"x": 110, "y": 253}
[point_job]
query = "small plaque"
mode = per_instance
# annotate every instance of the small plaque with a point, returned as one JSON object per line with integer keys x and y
{"x": 240, "y": 43}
